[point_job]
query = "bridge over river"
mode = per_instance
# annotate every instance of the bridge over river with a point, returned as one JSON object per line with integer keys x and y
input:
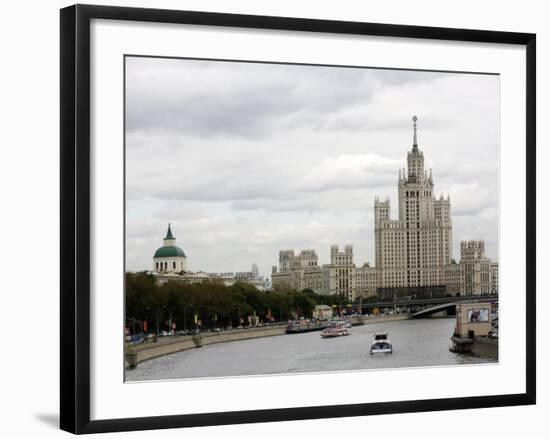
{"x": 449, "y": 308}
{"x": 424, "y": 307}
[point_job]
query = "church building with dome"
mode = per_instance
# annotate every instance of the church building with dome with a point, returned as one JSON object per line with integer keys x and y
{"x": 170, "y": 264}
{"x": 169, "y": 258}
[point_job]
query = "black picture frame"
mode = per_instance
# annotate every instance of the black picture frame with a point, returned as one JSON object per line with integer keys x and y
{"x": 75, "y": 217}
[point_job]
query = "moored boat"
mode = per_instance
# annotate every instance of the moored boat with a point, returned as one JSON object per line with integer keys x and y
{"x": 341, "y": 321}
{"x": 298, "y": 327}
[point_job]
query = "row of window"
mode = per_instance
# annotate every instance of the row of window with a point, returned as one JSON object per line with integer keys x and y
{"x": 163, "y": 266}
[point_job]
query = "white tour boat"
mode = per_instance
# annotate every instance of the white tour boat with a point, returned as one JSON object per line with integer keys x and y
{"x": 381, "y": 344}
{"x": 334, "y": 330}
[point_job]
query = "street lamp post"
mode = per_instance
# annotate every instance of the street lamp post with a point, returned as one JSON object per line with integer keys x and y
{"x": 147, "y": 309}
{"x": 185, "y": 316}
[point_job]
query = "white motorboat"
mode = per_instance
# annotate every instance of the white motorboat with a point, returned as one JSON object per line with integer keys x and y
{"x": 381, "y": 344}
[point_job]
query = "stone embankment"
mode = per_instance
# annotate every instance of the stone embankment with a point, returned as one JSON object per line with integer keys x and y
{"x": 485, "y": 347}
{"x": 170, "y": 345}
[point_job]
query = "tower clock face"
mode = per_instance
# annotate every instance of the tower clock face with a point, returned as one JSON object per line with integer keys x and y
{"x": 415, "y": 118}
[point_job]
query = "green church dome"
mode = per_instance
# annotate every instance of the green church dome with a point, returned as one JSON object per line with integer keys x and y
{"x": 169, "y": 252}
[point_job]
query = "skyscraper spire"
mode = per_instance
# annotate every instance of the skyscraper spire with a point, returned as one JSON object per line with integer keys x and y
{"x": 415, "y": 142}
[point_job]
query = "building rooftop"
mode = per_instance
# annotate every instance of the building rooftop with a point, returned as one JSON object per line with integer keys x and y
{"x": 169, "y": 252}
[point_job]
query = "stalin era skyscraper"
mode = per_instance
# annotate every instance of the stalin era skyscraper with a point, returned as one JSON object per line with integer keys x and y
{"x": 412, "y": 251}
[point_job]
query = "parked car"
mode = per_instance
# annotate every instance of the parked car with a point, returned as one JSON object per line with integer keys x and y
{"x": 138, "y": 339}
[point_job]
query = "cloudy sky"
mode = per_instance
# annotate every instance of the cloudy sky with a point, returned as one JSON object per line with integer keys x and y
{"x": 245, "y": 159}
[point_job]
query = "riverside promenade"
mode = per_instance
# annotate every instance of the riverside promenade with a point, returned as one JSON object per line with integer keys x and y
{"x": 136, "y": 354}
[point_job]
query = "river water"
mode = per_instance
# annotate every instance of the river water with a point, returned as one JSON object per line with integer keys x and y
{"x": 423, "y": 342}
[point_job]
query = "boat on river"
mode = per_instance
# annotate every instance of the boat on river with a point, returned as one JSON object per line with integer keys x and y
{"x": 381, "y": 344}
{"x": 300, "y": 326}
{"x": 341, "y": 321}
{"x": 334, "y": 330}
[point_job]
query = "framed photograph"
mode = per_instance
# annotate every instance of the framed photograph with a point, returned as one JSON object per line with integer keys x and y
{"x": 274, "y": 218}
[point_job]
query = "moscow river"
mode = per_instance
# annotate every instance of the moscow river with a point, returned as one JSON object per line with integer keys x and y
{"x": 423, "y": 342}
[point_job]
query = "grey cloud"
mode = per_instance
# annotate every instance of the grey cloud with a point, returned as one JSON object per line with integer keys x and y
{"x": 334, "y": 199}
{"x": 251, "y": 164}
{"x": 187, "y": 95}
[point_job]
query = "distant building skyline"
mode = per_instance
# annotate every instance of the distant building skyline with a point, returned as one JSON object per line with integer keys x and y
{"x": 413, "y": 252}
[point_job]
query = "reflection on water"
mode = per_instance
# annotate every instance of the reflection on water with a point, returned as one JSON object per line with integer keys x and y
{"x": 415, "y": 343}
